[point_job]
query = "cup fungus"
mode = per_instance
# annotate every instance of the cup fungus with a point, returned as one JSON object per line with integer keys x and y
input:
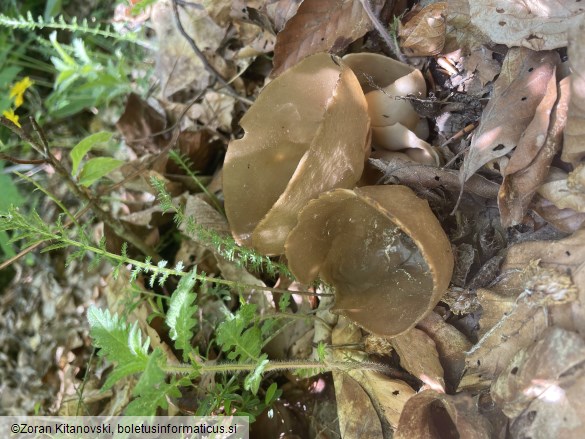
{"x": 381, "y": 248}
{"x": 308, "y": 132}
{"x": 396, "y": 126}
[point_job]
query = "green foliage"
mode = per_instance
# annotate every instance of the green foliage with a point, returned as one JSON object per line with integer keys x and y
{"x": 82, "y": 80}
{"x": 239, "y": 336}
{"x": 97, "y": 168}
{"x": 84, "y": 146}
{"x": 181, "y": 314}
{"x": 119, "y": 342}
{"x": 29, "y": 23}
{"x": 223, "y": 245}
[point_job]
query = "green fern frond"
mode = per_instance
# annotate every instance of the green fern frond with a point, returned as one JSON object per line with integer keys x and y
{"x": 181, "y": 314}
{"x": 29, "y": 23}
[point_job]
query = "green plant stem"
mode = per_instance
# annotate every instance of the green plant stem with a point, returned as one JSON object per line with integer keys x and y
{"x": 276, "y": 366}
{"x": 44, "y": 150}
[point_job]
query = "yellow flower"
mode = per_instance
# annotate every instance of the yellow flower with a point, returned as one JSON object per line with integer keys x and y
{"x": 9, "y": 114}
{"x": 18, "y": 89}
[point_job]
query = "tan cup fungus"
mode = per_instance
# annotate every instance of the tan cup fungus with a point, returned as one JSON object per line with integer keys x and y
{"x": 308, "y": 132}
{"x": 381, "y": 248}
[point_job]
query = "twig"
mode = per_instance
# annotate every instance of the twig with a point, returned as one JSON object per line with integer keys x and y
{"x": 204, "y": 60}
{"x": 21, "y": 161}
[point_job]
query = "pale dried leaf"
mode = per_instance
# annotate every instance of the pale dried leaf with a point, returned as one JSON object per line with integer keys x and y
{"x": 424, "y": 34}
{"x": 280, "y": 11}
{"x": 545, "y": 388}
{"x": 307, "y": 132}
{"x": 574, "y": 144}
{"x": 451, "y": 346}
{"x": 523, "y": 323}
{"x": 177, "y": 65}
{"x": 387, "y": 396}
{"x": 418, "y": 355}
{"x": 518, "y": 90}
{"x": 423, "y": 177}
{"x": 535, "y": 24}
{"x": 566, "y": 220}
{"x": 530, "y": 162}
{"x": 320, "y": 26}
{"x": 565, "y": 191}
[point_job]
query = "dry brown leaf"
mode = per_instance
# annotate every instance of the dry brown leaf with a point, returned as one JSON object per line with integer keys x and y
{"x": 424, "y": 34}
{"x": 418, "y": 355}
{"x": 423, "y": 177}
{"x": 307, "y": 132}
{"x": 535, "y": 24}
{"x": 280, "y": 11}
{"x": 530, "y": 162}
{"x": 542, "y": 287}
{"x": 341, "y": 236}
{"x": 177, "y": 65}
{"x": 430, "y": 414}
{"x": 518, "y": 90}
{"x": 451, "y": 346}
{"x": 546, "y": 380}
{"x": 385, "y": 395}
{"x": 481, "y": 62}
{"x": 320, "y": 26}
{"x": 566, "y": 220}
{"x": 574, "y": 145}
{"x": 565, "y": 191}
{"x": 140, "y": 124}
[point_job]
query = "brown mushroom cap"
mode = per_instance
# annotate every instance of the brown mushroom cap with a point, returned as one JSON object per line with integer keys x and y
{"x": 307, "y": 132}
{"x": 382, "y": 249}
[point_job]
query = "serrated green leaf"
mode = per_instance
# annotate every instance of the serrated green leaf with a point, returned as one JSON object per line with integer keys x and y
{"x": 82, "y": 148}
{"x": 96, "y": 168}
{"x": 252, "y": 381}
{"x": 181, "y": 315}
{"x": 232, "y": 334}
{"x": 119, "y": 342}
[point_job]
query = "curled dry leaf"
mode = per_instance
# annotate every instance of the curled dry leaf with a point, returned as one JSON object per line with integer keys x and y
{"x": 565, "y": 220}
{"x": 384, "y": 397}
{"x": 280, "y": 11}
{"x": 307, "y": 132}
{"x": 538, "y": 274}
{"x": 320, "y": 26}
{"x": 388, "y": 265}
{"x": 424, "y": 34}
{"x": 565, "y": 191}
{"x": 535, "y": 391}
{"x": 418, "y": 355}
{"x": 531, "y": 160}
{"x": 451, "y": 346}
{"x": 517, "y": 92}
{"x": 421, "y": 177}
{"x": 430, "y": 414}
{"x": 535, "y": 24}
{"x": 395, "y": 123}
{"x": 574, "y": 144}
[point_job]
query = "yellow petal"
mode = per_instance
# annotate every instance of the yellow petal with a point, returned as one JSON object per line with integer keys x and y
{"x": 9, "y": 114}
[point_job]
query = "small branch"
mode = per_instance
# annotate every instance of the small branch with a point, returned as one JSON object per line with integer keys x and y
{"x": 21, "y": 161}
{"x": 204, "y": 60}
